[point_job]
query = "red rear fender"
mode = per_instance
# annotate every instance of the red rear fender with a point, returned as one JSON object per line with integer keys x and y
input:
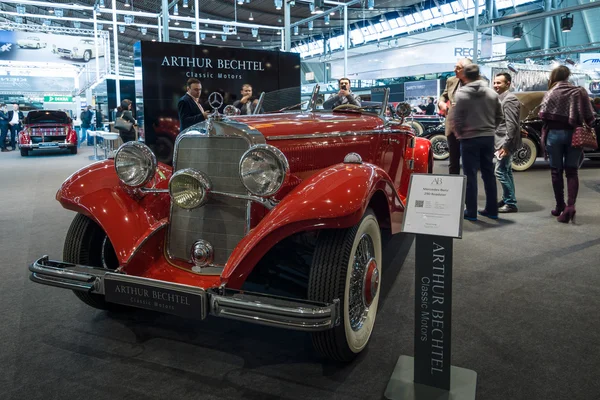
{"x": 337, "y": 197}
{"x": 126, "y": 217}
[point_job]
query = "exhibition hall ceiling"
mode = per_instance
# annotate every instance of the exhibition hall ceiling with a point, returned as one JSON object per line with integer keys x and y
{"x": 263, "y": 12}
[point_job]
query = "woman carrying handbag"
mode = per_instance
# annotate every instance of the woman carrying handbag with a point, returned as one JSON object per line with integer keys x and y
{"x": 567, "y": 114}
{"x": 125, "y": 122}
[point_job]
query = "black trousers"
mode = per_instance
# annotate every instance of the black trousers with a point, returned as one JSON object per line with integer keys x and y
{"x": 454, "y": 149}
{"x": 3, "y": 131}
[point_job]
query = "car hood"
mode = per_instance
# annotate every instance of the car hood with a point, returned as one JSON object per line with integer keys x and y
{"x": 291, "y": 124}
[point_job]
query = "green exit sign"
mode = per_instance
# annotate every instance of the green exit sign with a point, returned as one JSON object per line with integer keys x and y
{"x": 58, "y": 99}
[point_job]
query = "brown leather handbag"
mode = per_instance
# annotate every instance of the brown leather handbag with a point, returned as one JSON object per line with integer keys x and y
{"x": 584, "y": 137}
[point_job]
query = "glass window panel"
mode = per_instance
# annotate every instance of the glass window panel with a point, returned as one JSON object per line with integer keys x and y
{"x": 393, "y": 23}
{"x": 371, "y": 30}
{"x": 400, "y": 22}
{"x": 455, "y": 7}
{"x": 417, "y": 17}
{"x": 436, "y": 13}
{"x": 409, "y": 19}
{"x": 378, "y": 28}
{"x": 427, "y": 14}
{"x": 447, "y": 9}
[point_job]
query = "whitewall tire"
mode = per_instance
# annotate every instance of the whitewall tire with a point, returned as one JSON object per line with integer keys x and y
{"x": 347, "y": 266}
{"x": 525, "y": 156}
{"x": 439, "y": 145}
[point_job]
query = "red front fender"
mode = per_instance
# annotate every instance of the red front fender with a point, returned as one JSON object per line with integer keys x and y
{"x": 127, "y": 218}
{"x": 337, "y": 197}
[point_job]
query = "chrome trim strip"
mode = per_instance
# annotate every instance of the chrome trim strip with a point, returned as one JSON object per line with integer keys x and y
{"x": 141, "y": 244}
{"x": 384, "y": 103}
{"x": 150, "y": 190}
{"x": 325, "y": 135}
{"x": 266, "y": 202}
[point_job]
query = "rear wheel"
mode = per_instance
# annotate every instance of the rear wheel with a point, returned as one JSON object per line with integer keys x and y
{"x": 87, "y": 56}
{"x": 439, "y": 144}
{"x": 24, "y": 152}
{"x": 73, "y": 150}
{"x": 347, "y": 266}
{"x": 87, "y": 244}
{"x": 525, "y": 156}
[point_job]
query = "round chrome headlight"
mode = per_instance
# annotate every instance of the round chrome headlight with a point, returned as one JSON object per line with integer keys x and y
{"x": 189, "y": 188}
{"x": 135, "y": 164}
{"x": 263, "y": 169}
{"x": 230, "y": 111}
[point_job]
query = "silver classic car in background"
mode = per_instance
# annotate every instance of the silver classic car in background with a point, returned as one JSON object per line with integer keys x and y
{"x": 84, "y": 50}
{"x": 32, "y": 42}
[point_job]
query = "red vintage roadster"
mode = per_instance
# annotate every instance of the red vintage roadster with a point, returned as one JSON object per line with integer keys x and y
{"x": 47, "y": 129}
{"x": 273, "y": 219}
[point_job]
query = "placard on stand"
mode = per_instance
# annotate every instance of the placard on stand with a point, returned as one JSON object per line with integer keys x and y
{"x": 434, "y": 212}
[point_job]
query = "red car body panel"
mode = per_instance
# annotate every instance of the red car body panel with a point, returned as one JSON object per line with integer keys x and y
{"x": 321, "y": 192}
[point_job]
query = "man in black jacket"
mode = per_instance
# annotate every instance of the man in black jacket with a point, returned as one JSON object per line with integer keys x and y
{"x": 189, "y": 108}
{"x": 14, "y": 122}
{"x": 344, "y": 96}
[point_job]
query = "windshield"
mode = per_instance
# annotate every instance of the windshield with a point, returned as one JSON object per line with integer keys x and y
{"x": 47, "y": 117}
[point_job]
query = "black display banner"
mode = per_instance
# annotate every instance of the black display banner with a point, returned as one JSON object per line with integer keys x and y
{"x": 433, "y": 310}
{"x": 162, "y": 70}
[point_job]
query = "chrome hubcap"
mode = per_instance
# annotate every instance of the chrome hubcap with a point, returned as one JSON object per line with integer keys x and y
{"x": 440, "y": 147}
{"x": 522, "y": 155}
{"x": 364, "y": 282}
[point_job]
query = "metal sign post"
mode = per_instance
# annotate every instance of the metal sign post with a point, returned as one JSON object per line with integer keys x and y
{"x": 434, "y": 212}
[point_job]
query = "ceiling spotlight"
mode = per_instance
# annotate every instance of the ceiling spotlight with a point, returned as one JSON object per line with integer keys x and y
{"x": 47, "y": 22}
{"x": 203, "y": 36}
{"x": 185, "y": 3}
{"x": 144, "y": 30}
{"x": 186, "y": 34}
{"x": 511, "y": 67}
{"x": 223, "y": 37}
{"x": 332, "y": 13}
{"x": 371, "y": 4}
{"x": 127, "y": 3}
{"x": 570, "y": 61}
{"x": 382, "y": 18}
{"x": 110, "y": 28}
{"x": 76, "y": 24}
{"x": 517, "y": 32}
{"x": 326, "y": 18}
{"x": 296, "y": 30}
{"x": 121, "y": 28}
{"x": 51, "y": 11}
{"x": 278, "y": 33}
{"x": 251, "y": 17}
{"x": 310, "y": 25}
{"x": 278, "y": 4}
{"x": 101, "y": 3}
{"x": 254, "y": 32}
{"x": 176, "y": 10}
{"x": 154, "y": 40}
{"x": 59, "y": 12}
{"x": 566, "y": 23}
{"x": 258, "y": 38}
{"x": 20, "y": 9}
{"x": 240, "y": 2}
{"x": 176, "y": 22}
{"x": 214, "y": 36}
{"x": 19, "y": 20}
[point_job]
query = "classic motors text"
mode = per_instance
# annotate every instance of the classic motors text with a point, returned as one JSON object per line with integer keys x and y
{"x": 197, "y": 62}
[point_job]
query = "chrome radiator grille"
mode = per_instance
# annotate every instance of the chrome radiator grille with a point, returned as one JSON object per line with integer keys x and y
{"x": 222, "y": 221}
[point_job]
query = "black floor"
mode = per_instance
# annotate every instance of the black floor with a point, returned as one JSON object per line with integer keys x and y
{"x": 526, "y": 301}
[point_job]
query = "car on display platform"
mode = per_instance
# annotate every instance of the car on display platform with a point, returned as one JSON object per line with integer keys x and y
{"x": 84, "y": 50}
{"x": 274, "y": 219}
{"x": 32, "y": 42}
{"x": 47, "y": 130}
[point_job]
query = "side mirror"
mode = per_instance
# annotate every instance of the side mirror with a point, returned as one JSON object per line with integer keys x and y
{"x": 403, "y": 110}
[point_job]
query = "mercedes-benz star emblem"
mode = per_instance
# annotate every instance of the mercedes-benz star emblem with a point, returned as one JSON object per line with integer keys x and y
{"x": 215, "y": 100}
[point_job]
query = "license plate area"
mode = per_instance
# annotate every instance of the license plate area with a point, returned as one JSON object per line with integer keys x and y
{"x": 48, "y": 144}
{"x": 150, "y": 294}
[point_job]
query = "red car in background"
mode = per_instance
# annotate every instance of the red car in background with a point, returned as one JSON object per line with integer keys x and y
{"x": 272, "y": 219}
{"x": 47, "y": 129}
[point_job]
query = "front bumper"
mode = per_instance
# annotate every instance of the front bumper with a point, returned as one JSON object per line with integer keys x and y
{"x": 187, "y": 301}
{"x": 42, "y": 146}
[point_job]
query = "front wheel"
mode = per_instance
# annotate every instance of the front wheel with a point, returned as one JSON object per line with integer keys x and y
{"x": 525, "y": 156}
{"x": 24, "y": 152}
{"x": 73, "y": 150}
{"x": 439, "y": 144}
{"x": 347, "y": 266}
{"x": 417, "y": 127}
{"x": 87, "y": 56}
{"x": 87, "y": 244}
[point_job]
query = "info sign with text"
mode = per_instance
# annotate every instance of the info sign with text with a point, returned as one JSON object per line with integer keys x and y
{"x": 435, "y": 205}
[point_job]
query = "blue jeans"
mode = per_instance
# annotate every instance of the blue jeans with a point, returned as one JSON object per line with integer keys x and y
{"x": 558, "y": 146}
{"x": 505, "y": 177}
{"x": 478, "y": 153}
{"x": 82, "y": 134}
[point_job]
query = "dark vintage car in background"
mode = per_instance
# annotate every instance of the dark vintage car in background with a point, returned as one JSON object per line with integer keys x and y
{"x": 273, "y": 219}
{"x": 47, "y": 129}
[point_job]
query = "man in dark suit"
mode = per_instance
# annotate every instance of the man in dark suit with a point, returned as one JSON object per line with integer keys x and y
{"x": 3, "y": 127}
{"x": 189, "y": 108}
{"x": 445, "y": 104}
{"x": 14, "y": 122}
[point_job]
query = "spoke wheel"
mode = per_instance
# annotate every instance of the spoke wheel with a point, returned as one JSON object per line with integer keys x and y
{"x": 347, "y": 266}
{"x": 525, "y": 156}
{"x": 439, "y": 145}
